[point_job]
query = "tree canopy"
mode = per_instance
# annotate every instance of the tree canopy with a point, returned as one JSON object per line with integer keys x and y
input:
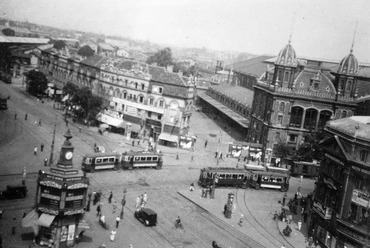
{"x": 59, "y": 45}
{"x": 37, "y": 83}
{"x": 86, "y": 105}
{"x": 161, "y": 58}
{"x": 282, "y": 150}
{"x": 86, "y": 51}
{"x": 310, "y": 149}
{"x": 8, "y": 32}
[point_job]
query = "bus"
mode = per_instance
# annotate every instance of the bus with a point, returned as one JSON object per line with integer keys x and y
{"x": 133, "y": 159}
{"x": 101, "y": 161}
{"x": 306, "y": 169}
{"x": 223, "y": 176}
{"x": 268, "y": 179}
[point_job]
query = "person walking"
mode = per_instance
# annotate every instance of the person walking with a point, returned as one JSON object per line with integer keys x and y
{"x": 13, "y": 226}
{"x": 299, "y": 225}
{"x": 284, "y": 198}
{"x": 138, "y": 202}
{"x": 25, "y": 116}
{"x": 15, "y": 116}
{"x": 192, "y": 158}
{"x": 117, "y": 221}
{"x": 80, "y": 129}
{"x": 113, "y": 235}
{"x": 305, "y": 215}
{"x": 177, "y": 156}
{"x": 205, "y": 144}
{"x": 114, "y": 207}
{"x": 220, "y": 155}
{"x": 42, "y": 147}
{"x": 40, "y": 122}
{"x": 110, "y": 197}
{"x": 35, "y": 150}
{"x": 98, "y": 210}
{"x": 46, "y": 162}
{"x": 145, "y": 198}
{"x": 301, "y": 178}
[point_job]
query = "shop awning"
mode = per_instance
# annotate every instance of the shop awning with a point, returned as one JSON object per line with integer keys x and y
{"x": 83, "y": 225}
{"x": 168, "y": 137}
{"x": 30, "y": 219}
{"x": 45, "y": 220}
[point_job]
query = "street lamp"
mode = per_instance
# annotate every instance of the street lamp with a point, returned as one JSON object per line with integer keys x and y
{"x": 52, "y": 143}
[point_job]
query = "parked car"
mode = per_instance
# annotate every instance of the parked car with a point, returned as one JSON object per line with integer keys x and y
{"x": 147, "y": 216}
{"x": 14, "y": 192}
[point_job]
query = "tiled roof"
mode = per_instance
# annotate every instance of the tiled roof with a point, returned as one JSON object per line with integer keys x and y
{"x": 254, "y": 67}
{"x": 354, "y": 125}
{"x": 160, "y": 74}
{"x": 94, "y": 61}
{"x": 302, "y": 81}
{"x": 241, "y": 94}
{"x": 130, "y": 64}
{"x": 363, "y": 88}
{"x": 22, "y": 40}
{"x": 106, "y": 46}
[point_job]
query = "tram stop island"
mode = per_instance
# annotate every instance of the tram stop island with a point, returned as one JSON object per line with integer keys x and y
{"x": 60, "y": 200}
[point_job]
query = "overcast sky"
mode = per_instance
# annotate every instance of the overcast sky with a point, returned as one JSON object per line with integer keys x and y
{"x": 320, "y": 28}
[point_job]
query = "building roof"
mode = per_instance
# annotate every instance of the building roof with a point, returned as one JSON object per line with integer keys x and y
{"x": 22, "y": 40}
{"x": 287, "y": 56}
{"x": 349, "y": 65}
{"x": 160, "y": 74}
{"x": 241, "y": 94}
{"x": 94, "y": 61}
{"x": 303, "y": 81}
{"x": 254, "y": 67}
{"x": 16, "y": 29}
{"x": 355, "y": 126}
{"x": 106, "y": 46}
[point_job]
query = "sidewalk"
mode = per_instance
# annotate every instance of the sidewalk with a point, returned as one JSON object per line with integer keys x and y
{"x": 269, "y": 234}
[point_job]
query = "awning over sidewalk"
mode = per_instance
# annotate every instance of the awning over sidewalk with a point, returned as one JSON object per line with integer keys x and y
{"x": 30, "y": 220}
{"x": 168, "y": 137}
{"x": 45, "y": 220}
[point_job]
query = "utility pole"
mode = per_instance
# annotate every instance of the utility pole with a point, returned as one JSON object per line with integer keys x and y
{"x": 52, "y": 143}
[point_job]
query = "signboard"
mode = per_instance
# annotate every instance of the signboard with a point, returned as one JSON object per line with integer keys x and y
{"x": 325, "y": 212}
{"x": 361, "y": 198}
{"x": 71, "y": 234}
{"x": 50, "y": 197}
{"x": 63, "y": 234}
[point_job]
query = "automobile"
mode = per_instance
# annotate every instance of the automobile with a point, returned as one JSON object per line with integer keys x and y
{"x": 147, "y": 216}
{"x": 14, "y": 192}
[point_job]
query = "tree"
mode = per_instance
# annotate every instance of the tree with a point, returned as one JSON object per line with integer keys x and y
{"x": 310, "y": 149}
{"x": 86, "y": 51}
{"x": 86, "y": 105}
{"x": 282, "y": 150}
{"x": 8, "y": 32}
{"x": 162, "y": 58}
{"x": 37, "y": 83}
{"x": 59, "y": 45}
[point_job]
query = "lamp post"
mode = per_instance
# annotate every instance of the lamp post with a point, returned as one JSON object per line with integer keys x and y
{"x": 52, "y": 143}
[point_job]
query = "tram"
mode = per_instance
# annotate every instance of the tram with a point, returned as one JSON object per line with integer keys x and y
{"x": 223, "y": 176}
{"x": 132, "y": 160}
{"x": 101, "y": 161}
{"x": 306, "y": 169}
{"x": 269, "y": 179}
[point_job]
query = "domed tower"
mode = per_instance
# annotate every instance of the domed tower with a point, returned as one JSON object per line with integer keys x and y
{"x": 345, "y": 78}
{"x": 285, "y": 67}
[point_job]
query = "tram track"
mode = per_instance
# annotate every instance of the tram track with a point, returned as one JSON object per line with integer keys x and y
{"x": 252, "y": 220}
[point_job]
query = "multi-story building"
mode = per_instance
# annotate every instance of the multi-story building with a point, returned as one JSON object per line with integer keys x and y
{"x": 299, "y": 95}
{"x": 143, "y": 100}
{"x": 339, "y": 215}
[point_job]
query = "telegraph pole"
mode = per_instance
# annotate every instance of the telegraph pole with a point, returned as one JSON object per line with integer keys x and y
{"x": 52, "y": 143}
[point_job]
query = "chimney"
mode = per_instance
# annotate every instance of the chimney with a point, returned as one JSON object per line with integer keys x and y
{"x": 169, "y": 68}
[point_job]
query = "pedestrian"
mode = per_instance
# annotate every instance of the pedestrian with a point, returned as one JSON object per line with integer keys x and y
{"x": 192, "y": 158}
{"x": 216, "y": 154}
{"x": 301, "y": 178}
{"x": 138, "y": 142}
{"x": 299, "y": 225}
{"x": 192, "y": 187}
{"x": 35, "y": 150}
{"x": 241, "y": 220}
{"x": 284, "y": 198}
{"x": 114, "y": 207}
{"x": 66, "y": 122}
{"x": 205, "y": 144}
{"x": 113, "y": 235}
{"x": 24, "y": 215}
{"x": 110, "y": 197}
{"x": 40, "y": 122}
{"x": 98, "y": 210}
{"x": 138, "y": 202}
{"x": 45, "y": 162}
{"x": 42, "y": 147}
{"x": 117, "y": 221}
{"x": 145, "y": 198}
{"x": 15, "y": 116}
{"x": 177, "y": 156}
{"x": 202, "y": 193}
{"x": 220, "y": 155}
{"x": 13, "y": 226}
{"x": 25, "y": 116}
{"x": 305, "y": 215}
{"x": 79, "y": 129}
{"x": 133, "y": 143}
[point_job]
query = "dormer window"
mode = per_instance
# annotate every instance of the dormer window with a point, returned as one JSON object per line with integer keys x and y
{"x": 363, "y": 155}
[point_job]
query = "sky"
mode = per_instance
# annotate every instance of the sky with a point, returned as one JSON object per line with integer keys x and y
{"x": 323, "y": 29}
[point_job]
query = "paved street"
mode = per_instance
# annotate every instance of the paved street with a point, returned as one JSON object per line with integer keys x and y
{"x": 167, "y": 189}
